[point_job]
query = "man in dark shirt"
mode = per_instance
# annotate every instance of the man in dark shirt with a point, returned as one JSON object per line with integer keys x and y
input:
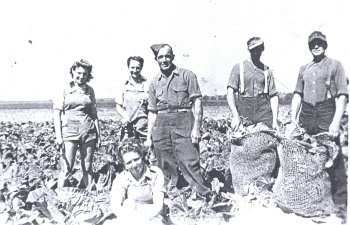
{"x": 173, "y": 128}
{"x": 320, "y": 97}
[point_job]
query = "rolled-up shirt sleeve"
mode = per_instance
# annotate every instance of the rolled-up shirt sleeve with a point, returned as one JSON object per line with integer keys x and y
{"x": 193, "y": 86}
{"x": 272, "y": 86}
{"x": 233, "y": 81}
{"x": 58, "y": 100}
{"x": 119, "y": 96}
{"x": 299, "y": 88}
{"x": 93, "y": 111}
{"x": 152, "y": 100}
{"x": 146, "y": 89}
{"x": 159, "y": 183}
{"x": 341, "y": 81}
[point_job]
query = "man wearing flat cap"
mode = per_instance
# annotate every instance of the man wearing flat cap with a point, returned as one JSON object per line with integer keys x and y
{"x": 319, "y": 100}
{"x": 173, "y": 128}
{"x": 253, "y": 83}
{"x": 252, "y": 95}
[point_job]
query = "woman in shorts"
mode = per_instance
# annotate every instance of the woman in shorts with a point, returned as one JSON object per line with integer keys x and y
{"x": 76, "y": 123}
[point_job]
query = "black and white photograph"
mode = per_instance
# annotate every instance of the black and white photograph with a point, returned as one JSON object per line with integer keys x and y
{"x": 187, "y": 112}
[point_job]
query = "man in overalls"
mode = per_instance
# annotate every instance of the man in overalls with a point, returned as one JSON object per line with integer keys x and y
{"x": 173, "y": 128}
{"x": 321, "y": 96}
{"x": 254, "y": 85}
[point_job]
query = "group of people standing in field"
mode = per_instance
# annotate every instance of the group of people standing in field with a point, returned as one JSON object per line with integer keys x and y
{"x": 166, "y": 114}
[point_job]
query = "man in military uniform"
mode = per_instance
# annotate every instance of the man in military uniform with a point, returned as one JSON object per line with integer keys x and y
{"x": 320, "y": 97}
{"x": 173, "y": 128}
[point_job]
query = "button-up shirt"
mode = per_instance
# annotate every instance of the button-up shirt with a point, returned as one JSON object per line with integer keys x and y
{"x": 77, "y": 100}
{"x": 254, "y": 80}
{"x": 175, "y": 91}
{"x": 131, "y": 94}
{"x": 316, "y": 78}
{"x": 141, "y": 191}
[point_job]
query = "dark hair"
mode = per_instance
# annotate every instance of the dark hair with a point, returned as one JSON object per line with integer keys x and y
{"x": 131, "y": 145}
{"x": 84, "y": 64}
{"x": 136, "y": 58}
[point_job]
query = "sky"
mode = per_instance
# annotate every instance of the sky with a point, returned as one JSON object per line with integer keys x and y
{"x": 40, "y": 40}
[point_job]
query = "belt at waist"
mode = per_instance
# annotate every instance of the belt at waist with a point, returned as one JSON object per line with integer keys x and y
{"x": 173, "y": 110}
{"x": 262, "y": 95}
{"x": 327, "y": 102}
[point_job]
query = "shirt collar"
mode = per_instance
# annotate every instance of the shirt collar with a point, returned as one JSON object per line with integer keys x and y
{"x": 174, "y": 72}
{"x": 145, "y": 177}
{"x": 319, "y": 63}
{"x": 148, "y": 174}
{"x": 133, "y": 82}
{"x": 75, "y": 87}
{"x": 254, "y": 66}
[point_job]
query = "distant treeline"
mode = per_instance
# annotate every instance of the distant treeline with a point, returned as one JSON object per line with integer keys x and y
{"x": 284, "y": 99}
{"x": 217, "y": 100}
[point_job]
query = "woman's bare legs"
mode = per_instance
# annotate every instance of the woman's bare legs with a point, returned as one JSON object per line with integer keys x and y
{"x": 87, "y": 154}
{"x": 67, "y": 161}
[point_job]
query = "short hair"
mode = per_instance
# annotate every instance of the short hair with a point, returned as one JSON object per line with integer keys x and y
{"x": 155, "y": 49}
{"x": 171, "y": 49}
{"x": 84, "y": 64}
{"x": 136, "y": 58}
{"x": 131, "y": 145}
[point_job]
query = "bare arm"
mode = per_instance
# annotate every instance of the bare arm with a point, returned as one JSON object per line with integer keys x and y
{"x": 198, "y": 116}
{"x": 274, "y": 107}
{"x": 121, "y": 112}
{"x": 58, "y": 127}
{"x": 151, "y": 120}
{"x": 334, "y": 127}
{"x": 97, "y": 126}
{"x": 296, "y": 103}
{"x": 233, "y": 108}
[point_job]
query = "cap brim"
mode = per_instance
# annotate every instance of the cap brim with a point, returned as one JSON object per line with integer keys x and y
{"x": 317, "y": 38}
{"x": 256, "y": 45}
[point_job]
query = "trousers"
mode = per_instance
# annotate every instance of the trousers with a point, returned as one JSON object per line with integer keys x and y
{"x": 174, "y": 150}
{"x": 316, "y": 119}
{"x": 256, "y": 109}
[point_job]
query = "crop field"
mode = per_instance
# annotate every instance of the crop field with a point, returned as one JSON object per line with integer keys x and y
{"x": 29, "y": 165}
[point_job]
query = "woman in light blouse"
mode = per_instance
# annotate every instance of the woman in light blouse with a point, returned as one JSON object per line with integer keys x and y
{"x": 76, "y": 123}
{"x": 138, "y": 192}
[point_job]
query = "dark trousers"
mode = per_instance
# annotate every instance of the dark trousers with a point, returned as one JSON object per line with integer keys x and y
{"x": 316, "y": 119}
{"x": 174, "y": 150}
{"x": 256, "y": 109}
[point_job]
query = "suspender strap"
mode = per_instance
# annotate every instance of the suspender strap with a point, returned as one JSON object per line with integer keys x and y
{"x": 328, "y": 83}
{"x": 266, "y": 73}
{"x": 241, "y": 77}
